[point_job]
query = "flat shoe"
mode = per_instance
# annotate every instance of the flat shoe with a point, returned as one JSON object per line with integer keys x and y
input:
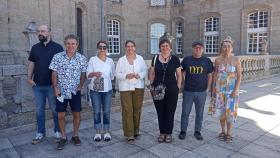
{"x": 161, "y": 138}
{"x": 168, "y": 139}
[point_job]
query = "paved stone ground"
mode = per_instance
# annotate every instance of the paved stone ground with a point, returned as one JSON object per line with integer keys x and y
{"x": 257, "y": 134}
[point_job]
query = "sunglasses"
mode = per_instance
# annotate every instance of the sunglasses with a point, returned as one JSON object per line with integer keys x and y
{"x": 102, "y": 47}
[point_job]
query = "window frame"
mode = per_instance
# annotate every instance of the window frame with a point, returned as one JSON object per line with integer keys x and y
{"x": 257, "y": 32}
{"x": 178, "y": 4}
{"x": 179, "y": 36}
{"x": 163, "y": 5}
{"x": 158, "y": 35}
{"x": 111, "y": 37}
{"x": 212, "y": 33}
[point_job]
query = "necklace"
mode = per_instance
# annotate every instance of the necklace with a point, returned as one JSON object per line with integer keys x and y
{"x": 165, "y": 59}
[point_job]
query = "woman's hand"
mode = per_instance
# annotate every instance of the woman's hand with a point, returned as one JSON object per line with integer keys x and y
{"x": 129, "y": 76}
{"x": 137, "y": 76}
{"x": 234, "y": 93}
{"x": 95, "y": 74}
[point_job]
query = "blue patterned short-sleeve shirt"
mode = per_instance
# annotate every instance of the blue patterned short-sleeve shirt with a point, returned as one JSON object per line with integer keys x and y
{"x": 68, "y": 72}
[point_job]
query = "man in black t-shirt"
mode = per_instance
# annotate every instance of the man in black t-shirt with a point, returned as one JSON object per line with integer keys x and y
{"x": 197, "y": 71}
{"x": 39, "y": 77}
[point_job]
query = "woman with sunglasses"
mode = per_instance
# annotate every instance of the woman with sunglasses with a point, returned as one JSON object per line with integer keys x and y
{"x": 130, "y": 71}
{"x": 101, "y": 71}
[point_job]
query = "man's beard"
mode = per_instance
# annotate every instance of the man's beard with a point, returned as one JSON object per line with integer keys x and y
{"x": 42, "y": 38}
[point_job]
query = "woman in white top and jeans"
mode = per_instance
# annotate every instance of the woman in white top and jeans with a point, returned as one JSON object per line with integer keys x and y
{"x": 101, "y": 71}
{"x": 130, "y": 72}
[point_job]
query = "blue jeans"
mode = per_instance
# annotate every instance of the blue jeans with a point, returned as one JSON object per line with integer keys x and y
{"x": 41, "y": 93}
{"x": 198, "y": 98}
{"x": 101, "y": 100}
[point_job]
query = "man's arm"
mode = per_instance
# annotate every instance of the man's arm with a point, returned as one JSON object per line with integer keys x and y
{"x": 30, "y": 72}
{"x": 82, "y": 81}
{"x": 54, "y": 82}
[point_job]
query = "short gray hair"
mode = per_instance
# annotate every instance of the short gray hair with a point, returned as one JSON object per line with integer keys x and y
{"x": 71, "y": 36}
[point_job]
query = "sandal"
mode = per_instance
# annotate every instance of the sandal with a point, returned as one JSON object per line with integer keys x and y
{"x": 168, "y": 139}
{"x": 222, "y": 136}
{"x": 228, "y": 138}
{"x": 130, "y": 140}
{"x": 161, "y": 138}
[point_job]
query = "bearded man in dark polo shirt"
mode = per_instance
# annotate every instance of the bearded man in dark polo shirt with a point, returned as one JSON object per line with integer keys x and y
{"x": 197, "y": 71}
{"x": 39, "y": 77}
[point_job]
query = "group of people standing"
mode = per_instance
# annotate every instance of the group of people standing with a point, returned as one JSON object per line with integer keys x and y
{"x": 59, "y": 76}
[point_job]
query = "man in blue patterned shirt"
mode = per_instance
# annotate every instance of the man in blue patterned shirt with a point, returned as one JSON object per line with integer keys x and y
{"x": 68, "y": 76}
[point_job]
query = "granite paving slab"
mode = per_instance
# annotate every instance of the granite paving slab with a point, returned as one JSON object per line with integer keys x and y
{"x": 213, "y": 151}
{"x": 121, "y": 149}
{"x": 9, "y": 153}
{"x": 259, "y": 151}
{"x": 165, "y": 150}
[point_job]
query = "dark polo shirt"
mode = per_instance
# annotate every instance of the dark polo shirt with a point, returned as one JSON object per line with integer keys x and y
{"x": 42, "y": 55}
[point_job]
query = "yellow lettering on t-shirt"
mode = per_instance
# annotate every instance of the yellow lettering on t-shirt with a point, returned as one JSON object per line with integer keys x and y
{"x": 196, "y": 69}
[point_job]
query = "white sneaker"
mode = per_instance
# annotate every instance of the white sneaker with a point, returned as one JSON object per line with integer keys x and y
{"x": 97, "y": 137}
{"x": 107, "y": 137}
{"x": 57, "y": 136}
{"x": 38, "y": 138}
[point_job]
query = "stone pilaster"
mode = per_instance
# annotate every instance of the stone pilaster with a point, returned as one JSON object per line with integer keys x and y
{"x": 2, "y": 98}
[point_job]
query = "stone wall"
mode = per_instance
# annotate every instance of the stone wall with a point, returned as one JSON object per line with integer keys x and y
{"x": 135, "y": 20}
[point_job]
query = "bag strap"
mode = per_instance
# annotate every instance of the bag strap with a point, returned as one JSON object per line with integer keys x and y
{"x": 164, "y": 68}
{"x": 154, "y": 61}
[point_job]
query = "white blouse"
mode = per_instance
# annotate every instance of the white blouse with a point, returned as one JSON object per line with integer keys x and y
{"x": 107, "y": 68}
{"x": 123, "y": 68}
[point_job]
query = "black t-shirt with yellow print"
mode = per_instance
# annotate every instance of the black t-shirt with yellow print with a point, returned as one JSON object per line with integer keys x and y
{"x": 196, "y": 70}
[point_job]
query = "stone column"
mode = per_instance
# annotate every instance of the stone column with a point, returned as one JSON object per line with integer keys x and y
{"x": 2, "y": 99}
{"x": 30, "y": 35}
{"x": 18, "y": 97}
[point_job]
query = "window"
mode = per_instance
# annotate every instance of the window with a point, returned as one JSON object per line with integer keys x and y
{"x": 116, "y": 1}
{"x": 157, "y": 2}
{"x": 157, "y": 30}
{"x": 178, "y": 2}
{"x": 113, "y": 36}
{"x": 179, "y": 38}
{"x": 211, "y": 35}
{"x": 257, "y": 32}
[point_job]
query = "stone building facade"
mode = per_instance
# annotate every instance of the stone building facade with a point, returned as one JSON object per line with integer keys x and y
{"x": 253, "y": 24}
{"x": 248, "y": 22}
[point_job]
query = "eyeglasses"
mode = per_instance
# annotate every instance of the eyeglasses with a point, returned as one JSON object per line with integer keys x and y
{"x": 102, "y": 47}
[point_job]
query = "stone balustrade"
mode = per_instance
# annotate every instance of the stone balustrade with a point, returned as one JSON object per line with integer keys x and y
{"x": 274, "y": 64}
{"x": 259, "y": 66}
{"x": 255, "y": 67}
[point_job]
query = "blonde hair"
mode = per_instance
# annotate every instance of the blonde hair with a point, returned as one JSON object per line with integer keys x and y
{"x": 227, "y": 39}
